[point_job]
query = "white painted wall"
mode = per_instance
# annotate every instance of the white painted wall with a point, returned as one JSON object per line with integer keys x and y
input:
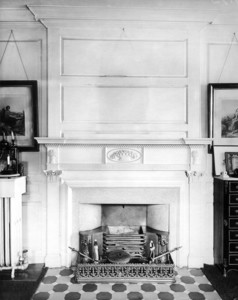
{"x": 126, "y": 69}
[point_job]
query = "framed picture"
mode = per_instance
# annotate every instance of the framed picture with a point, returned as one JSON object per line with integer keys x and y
{"x": 223, "y": 113}
{"x": 231, "y": 160}
{"x": 19, "y": 114}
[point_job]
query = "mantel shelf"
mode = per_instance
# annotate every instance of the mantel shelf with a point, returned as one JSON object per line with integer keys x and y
{"x": 119, "y": 141}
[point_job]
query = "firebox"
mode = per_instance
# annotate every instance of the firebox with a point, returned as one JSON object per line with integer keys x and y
{"x": 124, "y": 247}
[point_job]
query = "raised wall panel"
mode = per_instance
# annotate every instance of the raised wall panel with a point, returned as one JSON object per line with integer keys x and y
{"x": 124, "y": 105}
{"x": 118, "y": 80}
{"x": 123, "y": 57}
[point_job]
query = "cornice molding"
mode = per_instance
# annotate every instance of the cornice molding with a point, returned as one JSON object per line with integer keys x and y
{"x": 133, "y": 13}
{"x": 208, "y": 12}
{"x": 204, "y": 12}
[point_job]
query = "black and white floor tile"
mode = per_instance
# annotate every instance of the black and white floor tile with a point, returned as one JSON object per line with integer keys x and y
{"x": 191, "y": 284}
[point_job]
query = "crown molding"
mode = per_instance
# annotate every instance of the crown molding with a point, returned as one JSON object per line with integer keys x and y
{"x": 206, "y": 12}
{"x": 120, "y": 12}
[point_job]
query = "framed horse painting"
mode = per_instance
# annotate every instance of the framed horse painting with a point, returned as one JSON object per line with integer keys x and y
{"x": 19, "y": 113}
{"x": 223, "y": 113}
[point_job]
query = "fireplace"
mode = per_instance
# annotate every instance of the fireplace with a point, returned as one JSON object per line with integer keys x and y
{"x": 124, "y": 207}
{"x": 170, "y": 179}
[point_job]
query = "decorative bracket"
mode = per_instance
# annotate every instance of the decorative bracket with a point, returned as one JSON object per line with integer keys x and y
{"x": 193, "y": 174}
{"x": 52, "y": 173}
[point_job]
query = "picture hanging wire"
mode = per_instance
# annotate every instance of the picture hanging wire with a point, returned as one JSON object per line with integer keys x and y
{"x": 114, "y": 49}
{"x": 228, "y": 52}
{"x": 18, "y": 51}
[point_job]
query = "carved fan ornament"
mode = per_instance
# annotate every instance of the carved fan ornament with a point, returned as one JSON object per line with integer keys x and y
{"x": 123, "y": 155}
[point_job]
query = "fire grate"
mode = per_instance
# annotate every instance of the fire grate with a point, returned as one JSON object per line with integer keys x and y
{"x": 124, "y": 254}
{"x": 134, "y": 244}
{"x": 130, "y": 272}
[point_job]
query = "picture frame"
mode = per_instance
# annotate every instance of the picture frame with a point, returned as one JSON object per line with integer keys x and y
{"x": 231, "y": 161}
{"x": 223, "y": 113}
{"x": 19, "y": 113}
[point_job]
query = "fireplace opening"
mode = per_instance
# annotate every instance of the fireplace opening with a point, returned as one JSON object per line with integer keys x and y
{"x": 125, "y": 236}
{"x": 134, "y": 227}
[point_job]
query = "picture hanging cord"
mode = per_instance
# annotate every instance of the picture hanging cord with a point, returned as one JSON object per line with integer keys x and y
{"x": 231, "y": 44}
{"x": 12, "y": 34}
{"x": 123, "y": 37}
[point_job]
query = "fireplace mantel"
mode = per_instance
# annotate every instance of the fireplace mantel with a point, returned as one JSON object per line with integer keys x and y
{"x": 142, "y": 154}
{"x": 107, "y": 164}
{"x": 141, "y": 140}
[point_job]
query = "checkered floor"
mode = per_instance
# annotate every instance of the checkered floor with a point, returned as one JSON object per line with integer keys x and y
{"x": 191, "y": 284}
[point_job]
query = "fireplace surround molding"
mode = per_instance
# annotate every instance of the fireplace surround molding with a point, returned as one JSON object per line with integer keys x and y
{"x": 180, "y": 165}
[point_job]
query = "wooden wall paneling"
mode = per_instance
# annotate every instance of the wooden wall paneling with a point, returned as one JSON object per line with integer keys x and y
{"x": 123, "y": 57}
{"x": 133, "y": 105}
{"x": 85, "y": 104}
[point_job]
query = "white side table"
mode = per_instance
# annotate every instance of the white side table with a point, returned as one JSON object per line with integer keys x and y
{"x": 11, "y": 190}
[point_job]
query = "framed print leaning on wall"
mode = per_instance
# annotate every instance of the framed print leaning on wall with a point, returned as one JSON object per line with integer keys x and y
{"x": 231, "y": 161}
{"x": 18, "y": 113}
{"x": 223, "y": 113}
